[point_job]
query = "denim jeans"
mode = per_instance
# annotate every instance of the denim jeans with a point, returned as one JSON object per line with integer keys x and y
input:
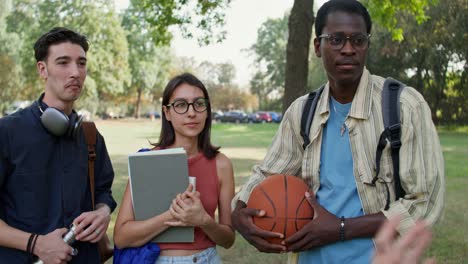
{"x": 207, "y": 256}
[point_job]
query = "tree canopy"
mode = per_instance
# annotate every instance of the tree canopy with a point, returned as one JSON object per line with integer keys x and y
{"x": 432, "y": 58}
{"x": 149, "y": 63}
{"x": 421, "y": 42}
{"x": 201, "y": 19}
{"x": 10, "y": 72}
{"x": 108, "y": 68}
{"x": 385, "y": 13}
{"x": 430, "y": 55}
{"x": 270, "y": 60}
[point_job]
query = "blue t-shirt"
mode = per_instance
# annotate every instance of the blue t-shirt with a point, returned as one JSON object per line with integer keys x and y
{"x": 338, "y": 192}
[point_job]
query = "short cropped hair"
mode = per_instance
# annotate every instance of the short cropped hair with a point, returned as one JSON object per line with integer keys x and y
{"x": 56, "y": 36}
{"x": 347, "y": 6}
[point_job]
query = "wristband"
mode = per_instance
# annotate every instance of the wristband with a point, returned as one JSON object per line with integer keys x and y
{"x": 33, "y": 245}
{"x": 342, "y": 230}
{"x": 28, "y": 246}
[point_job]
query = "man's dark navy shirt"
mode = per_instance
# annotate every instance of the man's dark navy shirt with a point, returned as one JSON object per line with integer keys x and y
{"x": 44, "y": 182}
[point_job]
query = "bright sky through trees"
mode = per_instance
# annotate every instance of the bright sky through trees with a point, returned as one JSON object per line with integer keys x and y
{"x": 243, "y": 19}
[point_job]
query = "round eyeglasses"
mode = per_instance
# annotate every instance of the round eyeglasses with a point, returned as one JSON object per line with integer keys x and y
{"x": 181, "y": 106}
{"x": 338, "y": 40}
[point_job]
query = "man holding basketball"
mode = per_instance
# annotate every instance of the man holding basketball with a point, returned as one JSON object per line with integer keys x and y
{"x": 339, "y": 162}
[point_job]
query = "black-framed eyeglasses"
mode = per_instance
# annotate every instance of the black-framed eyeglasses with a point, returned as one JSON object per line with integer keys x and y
{"x": 181, "y": 106}
{"x": 337, "y": 40}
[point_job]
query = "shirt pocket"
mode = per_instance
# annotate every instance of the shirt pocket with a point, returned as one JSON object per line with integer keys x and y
{"x": 386, "y": 169}
{"x": 367, "y": 172}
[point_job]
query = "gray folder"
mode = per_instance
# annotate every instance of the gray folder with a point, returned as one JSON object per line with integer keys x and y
{"x": 156, "y": 177}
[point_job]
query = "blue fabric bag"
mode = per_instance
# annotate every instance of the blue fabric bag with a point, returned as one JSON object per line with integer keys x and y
{"x": 146, "y": 254}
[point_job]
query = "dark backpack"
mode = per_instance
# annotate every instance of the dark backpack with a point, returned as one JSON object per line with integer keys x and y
{"x": 392, "y": 132}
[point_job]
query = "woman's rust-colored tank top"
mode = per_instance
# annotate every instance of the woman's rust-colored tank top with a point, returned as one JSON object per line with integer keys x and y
{"x": 208, "y": 185}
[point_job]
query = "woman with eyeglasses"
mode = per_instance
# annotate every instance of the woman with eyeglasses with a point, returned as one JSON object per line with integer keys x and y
{"x": 186, "y": 122}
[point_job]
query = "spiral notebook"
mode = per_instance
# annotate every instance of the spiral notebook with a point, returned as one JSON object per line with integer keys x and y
{"x": 156, "y": 177}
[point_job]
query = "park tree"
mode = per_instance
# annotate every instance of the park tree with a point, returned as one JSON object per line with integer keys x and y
{"x": 207, "y": 72}
{"x": 10, "y": 71}
{"x": 269, "y": 52}
{"x": 108, "y": 61}
{"x": 214, "y": 75}
{"x": 300, "y": 24}
{"x": 149, "y": 62}
{"x": 432, "y": 58}
{"x": 270, "y": 60}
{"x": 260, "y": 86}
{"x": 200, "y": 19}
{"x": 232, "y": 98}
{"x": 225, "y": 94}
{"x": 218, "y": 79}
{"x": 226, "y": 73}
{"x": 184, "y": 64}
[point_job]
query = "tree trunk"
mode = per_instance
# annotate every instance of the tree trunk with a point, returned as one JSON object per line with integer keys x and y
{"x": 300, "y": 25}
{"x": 137, "y": 106}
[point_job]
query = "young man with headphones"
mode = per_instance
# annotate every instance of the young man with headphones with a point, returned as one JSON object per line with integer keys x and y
{"x": 44, "y": 186}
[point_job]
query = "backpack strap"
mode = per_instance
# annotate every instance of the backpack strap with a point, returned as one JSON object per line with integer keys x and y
{"x": 90, "y": 133}
{"x": 392, "y": 132}
{"x": 308, "y": 114}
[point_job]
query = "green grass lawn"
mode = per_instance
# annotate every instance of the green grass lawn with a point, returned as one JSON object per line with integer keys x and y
{"x": 247, "y": 144}
{"x": 450, "y": 243}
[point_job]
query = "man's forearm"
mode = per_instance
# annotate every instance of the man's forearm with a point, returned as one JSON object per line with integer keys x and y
{"x": 13, "y": 238}
{"x": 363, "y": 226}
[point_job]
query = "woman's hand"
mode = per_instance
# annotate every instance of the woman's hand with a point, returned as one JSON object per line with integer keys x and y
{"x": 188, "y": 210}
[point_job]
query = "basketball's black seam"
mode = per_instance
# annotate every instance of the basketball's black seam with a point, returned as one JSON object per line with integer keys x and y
{"x": 275, "y": 218}
{"x": 272, "y": 205}
{"x": 297, "y": 212}
{"x": 303, "y": 218}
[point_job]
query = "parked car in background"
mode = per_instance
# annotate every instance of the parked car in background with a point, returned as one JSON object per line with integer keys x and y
{"x": 253, "y": 118}
{"x": 216, "y": 114}
{"x": 153, "y": 114}
{"x": 275, "y": 117}
{"x": 234, "y": 117}
{"x": 108, "y": 115}
{"x": 264, "y": 117}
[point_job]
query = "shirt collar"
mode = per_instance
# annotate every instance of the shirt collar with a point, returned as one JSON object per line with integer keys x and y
{"x": 41, "y": 103}
{"x": 361, "y": 104}
{"x": 41, "y": 106}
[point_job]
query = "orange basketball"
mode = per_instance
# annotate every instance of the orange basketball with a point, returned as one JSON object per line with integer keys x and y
{"x": 282, "y": 198}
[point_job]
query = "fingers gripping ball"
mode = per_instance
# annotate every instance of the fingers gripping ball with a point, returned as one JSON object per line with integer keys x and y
{"x": 282, "y": 198}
